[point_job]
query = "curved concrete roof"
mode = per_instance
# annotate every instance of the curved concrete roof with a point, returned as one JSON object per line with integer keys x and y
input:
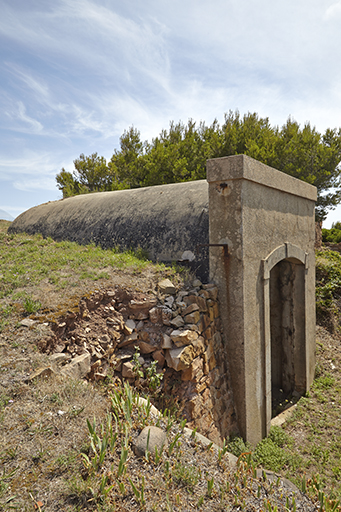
{"x": 165, "y": 220}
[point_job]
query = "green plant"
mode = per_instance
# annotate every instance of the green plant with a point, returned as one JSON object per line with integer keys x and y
{"x": 237, "y": 446}
{"x": 139, "y": 494}
{"x": 280, "y": 437}
{"x": 210, "y": 487}
{"x": 5, "y": 480}
{"x": 98, "y": 446}
{"x": 31, "y": 306}
{"x": 188, "y": 476}
{"x": 152, "y": 376}
{"x": 270, "y": 456}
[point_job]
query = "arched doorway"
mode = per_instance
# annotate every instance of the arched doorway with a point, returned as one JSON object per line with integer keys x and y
{"x": 287, "y": 331}
{"x": 284, "y": 326}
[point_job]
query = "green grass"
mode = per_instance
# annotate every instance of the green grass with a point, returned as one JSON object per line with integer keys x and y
{"x": 32, "y": 267}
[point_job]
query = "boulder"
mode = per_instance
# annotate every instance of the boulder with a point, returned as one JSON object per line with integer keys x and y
{"x": 149, "y": 438}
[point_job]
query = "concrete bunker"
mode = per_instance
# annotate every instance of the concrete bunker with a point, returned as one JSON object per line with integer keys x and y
{"x": 259, "y": 226}
{"x": 266, "y": 284}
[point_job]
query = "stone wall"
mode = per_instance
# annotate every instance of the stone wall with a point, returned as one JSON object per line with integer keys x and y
{"x": 180, "y": 329}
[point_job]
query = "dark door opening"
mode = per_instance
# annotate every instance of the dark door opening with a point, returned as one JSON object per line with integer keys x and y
{"x": 287, "y": 329}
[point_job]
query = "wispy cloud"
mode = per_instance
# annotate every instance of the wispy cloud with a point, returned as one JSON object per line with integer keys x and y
{"x": 37, "y": 86}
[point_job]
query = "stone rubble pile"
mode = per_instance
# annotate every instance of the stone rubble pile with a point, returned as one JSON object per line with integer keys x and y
{"x": 179, "y": 329}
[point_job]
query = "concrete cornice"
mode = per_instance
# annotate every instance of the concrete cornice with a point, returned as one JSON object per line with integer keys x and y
{"x": 242, "y": 167}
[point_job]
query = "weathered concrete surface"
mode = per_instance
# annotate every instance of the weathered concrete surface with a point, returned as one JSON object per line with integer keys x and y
{"x": 164, "y": 220}
{"x": 266, "y": 217}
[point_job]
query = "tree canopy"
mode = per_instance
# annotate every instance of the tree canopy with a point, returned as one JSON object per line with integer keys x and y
{"x": 180, "y": 154}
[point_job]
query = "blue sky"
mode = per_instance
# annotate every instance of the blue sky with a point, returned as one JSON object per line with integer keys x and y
{"x": 75, "y": 74}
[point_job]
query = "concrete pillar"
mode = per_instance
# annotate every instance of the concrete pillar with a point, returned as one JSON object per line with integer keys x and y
{"x": 267, "y": 219}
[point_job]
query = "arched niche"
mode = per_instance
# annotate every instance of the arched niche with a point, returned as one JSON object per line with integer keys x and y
{"x": 284, "y": 272}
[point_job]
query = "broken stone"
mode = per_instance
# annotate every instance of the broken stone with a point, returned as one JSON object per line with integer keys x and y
{"x": 177, "y": 321}
{"x": 158, "y": 356}
{"x": 167, "y": 287}
{"x": 180, "y": 358}
{"x": 41, "y": 372}
{"x": 104, "y": 340}
{"x": 128, "y": 370}
{"x": 140, "y": 308}
{"x": 79, "y": 367}
{"x": 194, "y": 299}
{"x": 190, "y": 309}
{"x": 181, "y": 338}
{"x": 197, "y": 283}
{"x": 129, "y": 326}
{"x": 117, "y": 360}
{"x": 155, "y": 315}
{"x": 100, "y": 376}
{"x": 194, "y": 372}
{"x": 140, "y": 325}
{"x": 169, "y": 302}
{"x": 146, "y": 348}
{"x": 28, "y": 322}
{"x": 149, "y": 438}
{"x": 199, "y": 346}
{"x": 59, "y": 358}
{"x": 166, "y": 316}
{"x": 128, "y": 340}
{"x": 192, "y": 318}
{"x": 166, "y": 341}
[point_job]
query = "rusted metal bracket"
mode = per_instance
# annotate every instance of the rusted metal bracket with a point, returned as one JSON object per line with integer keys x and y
{"x": 224, "y": 246}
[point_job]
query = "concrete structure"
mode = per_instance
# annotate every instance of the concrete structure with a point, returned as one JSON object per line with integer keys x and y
{"x": 266, "y": 283}
{"x": 266, "y": 280}
{"x": 166, "y": 221}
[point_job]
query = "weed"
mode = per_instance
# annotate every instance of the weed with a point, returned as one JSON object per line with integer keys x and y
{"x": 139, "y": 494}
{"x": 151, "y": 375}
{"x": 31, "y": 306}
{"x": 187, "y": 476}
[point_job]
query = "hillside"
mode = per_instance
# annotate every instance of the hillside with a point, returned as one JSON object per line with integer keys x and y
{"x": 67, "y": 445}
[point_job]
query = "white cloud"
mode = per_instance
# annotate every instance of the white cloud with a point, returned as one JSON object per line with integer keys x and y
{"x": 34, "y": 125}
{"x": 38, "y": 86}
{"x": 333, "y": 12}
{"x": 42, "y": 183}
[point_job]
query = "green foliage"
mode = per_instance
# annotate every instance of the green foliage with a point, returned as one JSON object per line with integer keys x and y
{"x": 91, "y": 174}
{"x": 180, "y": 154}
{"x": 152, "y": 377}
{"x": 272, "y": 453}
{"x": 332, "y": 235}
{"x": 280, "y": 437}
{"x": 270, "y": 456}
{"x": 237, "y": 446}
{"x": 31, "y": 306}
{"x": 328, "y": 288}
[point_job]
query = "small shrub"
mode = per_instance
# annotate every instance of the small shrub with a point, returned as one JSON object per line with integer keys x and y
{"x": 237, "y": 446}
{"x": 270, "y": 456}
